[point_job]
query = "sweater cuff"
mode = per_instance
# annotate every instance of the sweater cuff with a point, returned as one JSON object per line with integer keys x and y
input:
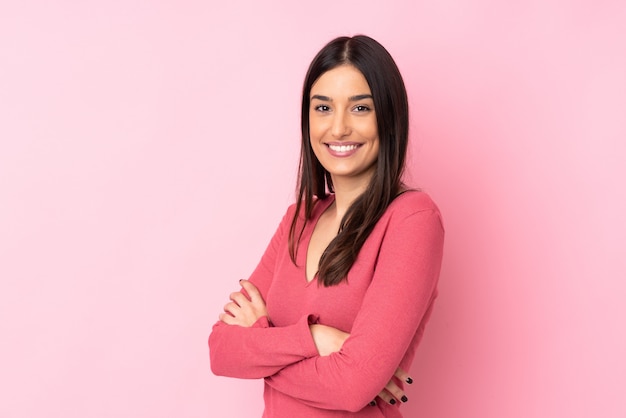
{"x": 262, "y": 322}
{"x": 304, "y": 332}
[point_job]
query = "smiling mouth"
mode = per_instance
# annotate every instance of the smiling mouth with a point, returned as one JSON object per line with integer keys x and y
{"x": 343, "y": 148}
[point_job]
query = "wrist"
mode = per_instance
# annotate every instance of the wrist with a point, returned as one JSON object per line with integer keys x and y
{"x": 327, "y": 339}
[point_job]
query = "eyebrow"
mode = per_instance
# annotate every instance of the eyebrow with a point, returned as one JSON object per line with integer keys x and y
{"x": 351, "y": 98}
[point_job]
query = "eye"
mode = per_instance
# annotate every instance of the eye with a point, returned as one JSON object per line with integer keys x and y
{"x": 322, "y": 108}
{"x": 361, "y": 108}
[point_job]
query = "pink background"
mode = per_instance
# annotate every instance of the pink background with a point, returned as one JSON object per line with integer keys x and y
{"x": 149, "y": 148}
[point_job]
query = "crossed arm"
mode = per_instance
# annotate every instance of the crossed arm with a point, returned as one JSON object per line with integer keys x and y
{"x": 246, "y": 311}
{"x": 303, "y": 359}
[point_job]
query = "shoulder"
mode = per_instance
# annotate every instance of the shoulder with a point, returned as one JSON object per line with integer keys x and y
{"x": 414, "y": 204}
{"x": 413, "y": 201}
{"x": 319, "y": 205}
{"x": 291, "y": 210}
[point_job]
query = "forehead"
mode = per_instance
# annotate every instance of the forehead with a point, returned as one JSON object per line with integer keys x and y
{"x": 343, "y": 80}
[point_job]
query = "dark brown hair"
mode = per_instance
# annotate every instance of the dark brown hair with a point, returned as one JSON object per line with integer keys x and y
{"x": 392, "y": 117}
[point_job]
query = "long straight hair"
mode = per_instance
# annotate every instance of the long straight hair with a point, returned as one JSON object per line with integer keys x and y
{"x": 392, "y": 118}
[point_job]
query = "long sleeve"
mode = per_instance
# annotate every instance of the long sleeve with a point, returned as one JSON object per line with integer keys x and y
{"x": 395, "y": 305}
{"x": 261, "y": 350}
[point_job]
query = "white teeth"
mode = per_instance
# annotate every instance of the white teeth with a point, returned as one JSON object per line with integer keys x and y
{"x": 343, "y": 148}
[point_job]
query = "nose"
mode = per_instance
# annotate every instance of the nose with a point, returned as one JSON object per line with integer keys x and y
{"x": 341, "y": 125}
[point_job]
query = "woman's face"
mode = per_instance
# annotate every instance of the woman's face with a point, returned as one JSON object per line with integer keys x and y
{"x": 342, "y": 126}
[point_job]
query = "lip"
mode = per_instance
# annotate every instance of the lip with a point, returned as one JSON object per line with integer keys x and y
{"x": 342, "y": 149}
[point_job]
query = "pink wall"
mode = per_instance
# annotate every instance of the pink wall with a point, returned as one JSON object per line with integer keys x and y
{"x": 148, "y": 150}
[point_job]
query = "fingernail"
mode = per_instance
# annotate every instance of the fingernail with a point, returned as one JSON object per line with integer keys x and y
{"x": 392, "y": 401}
{"x": 373, "y": 403}
{"x": 409, "y": 380}
{"x": 404, "y": 398}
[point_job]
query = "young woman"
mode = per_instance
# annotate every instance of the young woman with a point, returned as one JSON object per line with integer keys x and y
{"x": 332, "y": 315}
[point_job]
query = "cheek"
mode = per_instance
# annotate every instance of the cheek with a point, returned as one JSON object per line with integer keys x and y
{"x": 316, "y": 146}
{"x": 373, "y": 130}
{"x": 314, "y": 139}
{"x": 315, "y": 130}
{"x": 367, "y": 128}
{"x": 375, "y": 144}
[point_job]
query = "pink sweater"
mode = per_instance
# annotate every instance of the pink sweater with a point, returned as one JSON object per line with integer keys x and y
{"x": 384, "y": 305}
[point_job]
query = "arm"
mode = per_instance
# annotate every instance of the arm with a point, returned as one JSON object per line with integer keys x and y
{"x": 400, "y": 295}
{"x": 260, "y": 350}
{"x": 329, "y": 340}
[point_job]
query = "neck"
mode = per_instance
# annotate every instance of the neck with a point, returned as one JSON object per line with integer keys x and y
{"x": 346, "y": 192}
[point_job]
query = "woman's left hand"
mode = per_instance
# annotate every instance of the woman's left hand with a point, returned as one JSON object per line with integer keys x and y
{"x": 244, "y": 311}
{"x": 392, "y": 393}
